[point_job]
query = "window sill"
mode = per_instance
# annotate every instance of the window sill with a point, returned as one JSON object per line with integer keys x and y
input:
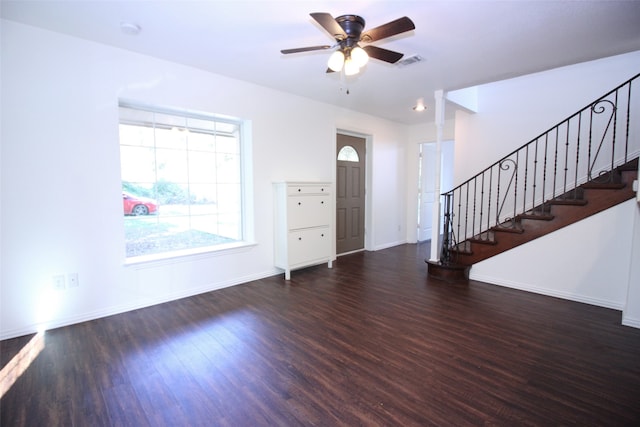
{"x": 188, "y": 255}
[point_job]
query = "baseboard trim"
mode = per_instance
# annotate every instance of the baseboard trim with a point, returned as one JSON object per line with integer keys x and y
{"x": 123, "y": 308}
{"x": 389, "y": 245}
{"x": 548, "y": 292}
{"x": 628, "y": 321}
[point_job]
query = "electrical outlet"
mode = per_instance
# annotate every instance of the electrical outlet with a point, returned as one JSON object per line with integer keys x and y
{"x": 73, "y": 280}
{"x": 58, "y": 282}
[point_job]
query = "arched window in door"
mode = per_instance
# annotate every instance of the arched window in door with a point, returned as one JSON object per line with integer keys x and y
{"x": 348, "y": 154}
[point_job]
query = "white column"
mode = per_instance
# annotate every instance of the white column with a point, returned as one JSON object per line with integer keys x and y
{"x": 435, "y": 223}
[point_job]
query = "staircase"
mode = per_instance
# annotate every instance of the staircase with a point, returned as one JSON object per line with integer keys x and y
{"x": 582, "y": 166}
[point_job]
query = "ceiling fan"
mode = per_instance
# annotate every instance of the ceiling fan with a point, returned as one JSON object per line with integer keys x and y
{"x": 347, "y": 30}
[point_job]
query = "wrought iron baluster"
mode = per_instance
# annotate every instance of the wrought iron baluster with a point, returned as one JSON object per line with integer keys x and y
{"x": 599, "y": 109}
{"x": 515, "y": 186}
{"x": 626, "y": 139}
{"x": 555, "y": 163}
{"x": 445, "y": 252}
{"x": 489, "y": 199}
{"x": 566, "y": 159}
{"x": 544, "y": 173}
{"x": 475, "y": 189}
{"x": 589, "y": 177}
{"x": 498, "y": 197}
{"x": 615, "y": 123}
{"x": 458, "y": 215}
{"x": 505, "y": 166}
{"x": 466, "y": 214}
{"x": 482, "y": 203}
{"x": 578, "y": 148}
{"x": 535, "y": 176}
{"x": 526, "y": 179}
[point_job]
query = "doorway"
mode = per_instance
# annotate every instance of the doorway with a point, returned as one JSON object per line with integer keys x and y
{"x": 427, "y": 191}
{"x": 350, "y": 193}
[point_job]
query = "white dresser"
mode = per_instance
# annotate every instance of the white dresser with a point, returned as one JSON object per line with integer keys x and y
{"x": 302, "y": 225}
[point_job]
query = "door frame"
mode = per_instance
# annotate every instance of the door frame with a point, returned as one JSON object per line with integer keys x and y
{"x": 447, "y": 155}
{"x": 368, "y": 211}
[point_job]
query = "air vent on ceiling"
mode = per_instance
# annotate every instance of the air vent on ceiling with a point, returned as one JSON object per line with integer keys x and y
{"x": 413, "y": 59}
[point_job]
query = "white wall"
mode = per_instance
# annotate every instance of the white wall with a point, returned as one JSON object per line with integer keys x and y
{"x": 590, "y": 261}
{"x": 61, "y": 208}
{"x": 583, "y": 262}
{"x": 513, "y": 112}
{"x": 631, "y": 311}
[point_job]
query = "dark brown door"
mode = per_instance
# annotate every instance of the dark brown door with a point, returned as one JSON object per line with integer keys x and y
{"x": 350, "y": 193}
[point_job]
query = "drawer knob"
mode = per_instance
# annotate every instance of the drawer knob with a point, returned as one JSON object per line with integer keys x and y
{"x": 322, "y": 202}
{"x": 299, "y": 203}
{"x": 299, "y": 238}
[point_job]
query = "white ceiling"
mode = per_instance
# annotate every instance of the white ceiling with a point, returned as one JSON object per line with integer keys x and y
{"x": 463, "y": 43}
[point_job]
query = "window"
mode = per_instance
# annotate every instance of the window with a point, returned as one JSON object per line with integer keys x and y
{"x": 348, "y": 154}
{"x": 182, "y": 181}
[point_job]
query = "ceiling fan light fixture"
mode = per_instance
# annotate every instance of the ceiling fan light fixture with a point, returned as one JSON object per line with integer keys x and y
{"x": 336, "y": 61}
{"x": 359, "y": 56}
{"x": 350, "y": 67}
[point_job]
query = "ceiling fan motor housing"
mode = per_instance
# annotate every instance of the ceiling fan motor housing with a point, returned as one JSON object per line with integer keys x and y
{"x": 352, "y": 26}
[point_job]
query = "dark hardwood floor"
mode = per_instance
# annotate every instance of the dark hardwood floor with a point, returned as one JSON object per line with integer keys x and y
{"x": 371, "y": 342}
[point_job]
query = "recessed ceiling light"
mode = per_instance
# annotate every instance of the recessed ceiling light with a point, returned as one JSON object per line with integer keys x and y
{"x": 129, "y": 28}
{"x": 420, "y": 105}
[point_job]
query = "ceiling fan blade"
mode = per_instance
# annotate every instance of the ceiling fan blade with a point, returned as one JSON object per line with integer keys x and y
{"x": 389, "y": 29}
{"x": 330, "y": 25}
{"x": 305, "y": 49}
{"x": 383, "y": 54}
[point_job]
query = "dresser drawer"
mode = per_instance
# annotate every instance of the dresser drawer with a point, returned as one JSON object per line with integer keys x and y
{"x": 293, "y": 190}
{"x": 309, "y": 245}
{"x": 308, "y": 211}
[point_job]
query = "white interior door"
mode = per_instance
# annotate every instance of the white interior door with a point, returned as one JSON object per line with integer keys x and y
{"x": 427, "y": 190}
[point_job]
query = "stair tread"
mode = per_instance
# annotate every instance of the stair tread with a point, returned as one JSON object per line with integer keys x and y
{"x": 604, "y": 185}
{"x": 541, "y": 217}
{"x": 483, "y": 241}
{"x": 462, "y": 251}
{"x": 508, "y": 229}
{"x": 629, "y": 166}
{"x": 568, "y": 202}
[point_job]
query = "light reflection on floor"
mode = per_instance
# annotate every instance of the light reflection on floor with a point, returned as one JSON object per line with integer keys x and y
{"x": 20, "y": 362}
{"x": 218, "y": 342}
